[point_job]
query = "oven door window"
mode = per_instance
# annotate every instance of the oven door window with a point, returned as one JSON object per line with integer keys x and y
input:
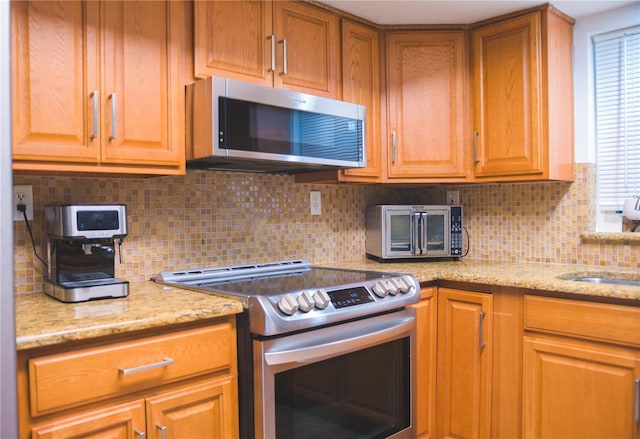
{"x": 362, "y": 394}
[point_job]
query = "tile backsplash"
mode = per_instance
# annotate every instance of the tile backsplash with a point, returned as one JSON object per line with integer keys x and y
{"x": 225, "y": 218}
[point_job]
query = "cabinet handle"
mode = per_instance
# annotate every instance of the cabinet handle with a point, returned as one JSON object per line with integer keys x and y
{"x": 166, "y": 362}
{"x": 475, "y": 147}
{"x": 393, "y": 147}
{"x": 637, "y": 400}
{"x": 273, "y": 52}
{"x": 96, "y": 115}
{"x": 481, "y": 330}
{"x": 139, "y": 433}
{"x": 163, "y": 430}
{"x": 114, "y": 117}
{"x": 284, "y": 57}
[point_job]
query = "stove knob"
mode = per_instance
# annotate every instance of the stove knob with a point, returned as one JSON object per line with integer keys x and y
{"x": 288, "y": 305}
{"x": 391, "y": 288}
{"x": 408, "y": 282}
{"x": 321, "y": 299}
{"x": 402, "y": 285}
{"x": 305, "y": 301}
{"x": 379, "y": 289}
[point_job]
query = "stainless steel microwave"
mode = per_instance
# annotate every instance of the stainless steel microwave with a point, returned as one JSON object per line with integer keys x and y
{"x": 413, "y": 232}
{"x": 235, "y": 125}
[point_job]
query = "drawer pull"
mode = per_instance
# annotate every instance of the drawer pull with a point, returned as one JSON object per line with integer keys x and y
{"x": 139, "y": 433}
{"x": 166, "y": 362}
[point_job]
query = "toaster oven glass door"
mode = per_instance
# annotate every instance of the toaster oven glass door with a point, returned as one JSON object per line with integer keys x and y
{"x": 417, "y": 234}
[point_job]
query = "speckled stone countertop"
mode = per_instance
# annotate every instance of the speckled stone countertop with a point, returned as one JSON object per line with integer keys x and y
{"x": 536, "y": 276}
{"x": 42, "y": 320}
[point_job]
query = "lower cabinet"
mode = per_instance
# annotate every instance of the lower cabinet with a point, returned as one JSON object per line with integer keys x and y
{"x": 201, "y": 410}
{"x": 179, "y": 384}
{"x": 426, "y": 321}
{"x": 454, "y": 363}
{"x": 581, "y": 369}
{"x": 463, "y": 384}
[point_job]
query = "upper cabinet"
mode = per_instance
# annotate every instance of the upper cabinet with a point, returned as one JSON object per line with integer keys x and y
{"x": 285, "y": 44}
{"x": 427, "y": 106}
{"x": 360, "y": 85}
{"x": 523, "y": 98}
{"x": 97, "y": 86}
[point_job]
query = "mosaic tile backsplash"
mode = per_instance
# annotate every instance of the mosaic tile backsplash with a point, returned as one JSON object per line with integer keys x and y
{"x": 208, "y": 219}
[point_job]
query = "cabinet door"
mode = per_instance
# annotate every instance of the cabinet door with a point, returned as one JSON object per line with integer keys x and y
{"x": 141, "y": 84}
{"x": 426, "y": 105}
{"x": 206, "y": 410}
{"x": 579, "y": 390}
{"x": 123, "y": 421}
{"x": 54, "y": 73}
{"x": 426, "y": 363}
{"x": 231, "y": 40}
{"x": 507, "y": 97}
{"x": 361, "y": 85}
{"x": 307, "y": 56}
{"x": 464, "y": 364}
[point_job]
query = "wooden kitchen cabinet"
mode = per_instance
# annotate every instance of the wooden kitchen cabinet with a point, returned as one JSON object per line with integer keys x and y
{"x": 427, "y": 106}
{"x": 183, "y": 380}
{"x": 426, "y": 326}
{"x": 581, "y": 369}
{"x": 523, "y": 97}
{"x": 360, "y": 85}
{"x": 463, "y": 389}
{"x": 284, "y": 44}
{"x": 98, "y": 86}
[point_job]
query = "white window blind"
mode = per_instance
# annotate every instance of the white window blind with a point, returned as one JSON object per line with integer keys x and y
{"x": 617, "y": 88}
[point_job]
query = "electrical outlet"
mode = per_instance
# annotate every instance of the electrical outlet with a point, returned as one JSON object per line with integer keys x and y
{"x": 453, "y": 198}
{"x": 22, "y": 194}
{"x": 315, "y": 203}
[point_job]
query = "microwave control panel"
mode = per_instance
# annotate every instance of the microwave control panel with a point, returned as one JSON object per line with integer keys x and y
{"x": 456, "y": 231}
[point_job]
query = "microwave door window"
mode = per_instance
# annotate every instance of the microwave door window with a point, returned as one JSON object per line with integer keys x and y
{"x": 328, "y": 137}
{"x": 255, "y": 127}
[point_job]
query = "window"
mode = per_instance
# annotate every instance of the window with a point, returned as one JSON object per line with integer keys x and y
{"x": 617, "y": 92}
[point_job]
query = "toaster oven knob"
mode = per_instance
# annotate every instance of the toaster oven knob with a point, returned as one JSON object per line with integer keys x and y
{"x": 305, "y": 301}
{"x": 379, "y": 289}
{"x": 288, "y": 305}
{"x": 321, "y": 299}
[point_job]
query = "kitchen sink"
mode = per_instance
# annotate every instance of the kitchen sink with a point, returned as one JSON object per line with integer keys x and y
{"x": 626, "y": 279}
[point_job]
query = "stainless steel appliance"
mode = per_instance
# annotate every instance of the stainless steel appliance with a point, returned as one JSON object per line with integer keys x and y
{"x": 81, "y": 251}
{"x": 234, "y": 125}
{"x": 322, "y": 352}
{"x": 413, "y": 231}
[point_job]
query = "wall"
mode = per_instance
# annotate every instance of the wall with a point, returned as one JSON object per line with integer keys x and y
{"x": 223, "y": 218}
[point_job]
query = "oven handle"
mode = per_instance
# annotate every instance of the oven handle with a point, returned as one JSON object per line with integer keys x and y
{"x": 367, "y": 334}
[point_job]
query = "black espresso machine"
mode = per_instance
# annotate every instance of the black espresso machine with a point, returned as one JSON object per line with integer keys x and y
{"x": 81, "y": 251}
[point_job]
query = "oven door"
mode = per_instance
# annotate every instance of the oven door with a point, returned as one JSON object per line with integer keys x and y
{"x": 353, "y": 380}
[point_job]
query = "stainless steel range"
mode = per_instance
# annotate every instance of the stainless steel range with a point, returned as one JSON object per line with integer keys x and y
{"x": 321, "y": 351}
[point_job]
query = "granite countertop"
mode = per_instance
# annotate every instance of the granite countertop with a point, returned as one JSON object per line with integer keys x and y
{"x": 42, "y": 320}
{"x": 535, "y": 276}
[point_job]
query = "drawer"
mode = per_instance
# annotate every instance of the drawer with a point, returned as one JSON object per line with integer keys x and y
{"x": 69, "y": 379}
{"x": 594, "y": 321}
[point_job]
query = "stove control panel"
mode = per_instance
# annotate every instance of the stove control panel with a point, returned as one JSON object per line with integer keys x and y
{"x": 383, "y": 289}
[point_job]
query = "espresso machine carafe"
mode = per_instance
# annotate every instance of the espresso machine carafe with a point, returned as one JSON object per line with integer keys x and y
{"x": 83, "y": 244}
